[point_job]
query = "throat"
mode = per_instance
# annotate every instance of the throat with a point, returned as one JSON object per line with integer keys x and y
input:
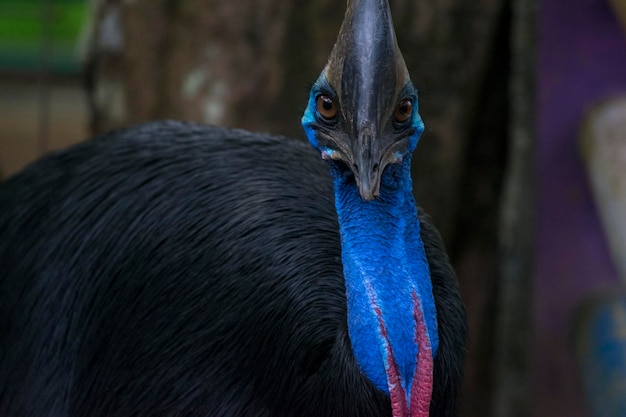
{"x": 392, "y": 319}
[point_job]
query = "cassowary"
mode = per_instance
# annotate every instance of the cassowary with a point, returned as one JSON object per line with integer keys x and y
{"x": 173, "y": 269}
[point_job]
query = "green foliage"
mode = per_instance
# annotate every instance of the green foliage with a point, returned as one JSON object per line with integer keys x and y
{"x": 24, "y": 23}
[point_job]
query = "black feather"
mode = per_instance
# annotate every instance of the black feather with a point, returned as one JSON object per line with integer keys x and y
{"x": 174, "y": 269}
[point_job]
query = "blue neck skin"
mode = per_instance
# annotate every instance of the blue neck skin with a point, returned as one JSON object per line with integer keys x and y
{"x": 384, "y": 262}
{"x": 385, "y": 266}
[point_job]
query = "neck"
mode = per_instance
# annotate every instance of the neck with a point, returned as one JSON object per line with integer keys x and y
{"x": 391, "y": 311}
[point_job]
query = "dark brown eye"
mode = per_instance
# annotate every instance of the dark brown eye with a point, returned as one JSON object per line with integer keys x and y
{"x": 404, "y": 110}
{"x": 326, "y": 107}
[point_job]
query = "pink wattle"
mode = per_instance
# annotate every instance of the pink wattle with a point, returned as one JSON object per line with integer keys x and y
{"x": 396, "y": 391}
{"x": 422, "y": 386}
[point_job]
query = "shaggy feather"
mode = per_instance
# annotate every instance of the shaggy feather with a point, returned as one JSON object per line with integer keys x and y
{"x": 174, "y": 269}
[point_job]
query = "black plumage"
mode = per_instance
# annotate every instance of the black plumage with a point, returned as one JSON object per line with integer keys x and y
{"x": 174, "y": 269}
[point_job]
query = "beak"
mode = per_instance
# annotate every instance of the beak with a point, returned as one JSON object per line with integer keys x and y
{"x": 365, "y": 75}
{"x": 367, "y": 169}
{"x": 367, "y": 71}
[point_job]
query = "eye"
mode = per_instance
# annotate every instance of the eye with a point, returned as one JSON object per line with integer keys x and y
{"x": 404, "y": 110}
{"x": 326, "y": 107}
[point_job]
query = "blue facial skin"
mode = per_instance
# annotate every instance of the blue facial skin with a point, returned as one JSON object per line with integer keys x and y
{"x": 383, "y": 256}
{"x": 310, "y": 113}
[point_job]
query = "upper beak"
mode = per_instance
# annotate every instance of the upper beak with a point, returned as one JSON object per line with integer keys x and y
{"x": 367, "y": 169}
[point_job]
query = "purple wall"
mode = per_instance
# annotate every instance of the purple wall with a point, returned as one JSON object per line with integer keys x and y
{"x": 582, "y": 59}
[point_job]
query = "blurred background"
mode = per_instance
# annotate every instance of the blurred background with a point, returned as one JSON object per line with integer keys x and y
{"x": 506, "y": 87}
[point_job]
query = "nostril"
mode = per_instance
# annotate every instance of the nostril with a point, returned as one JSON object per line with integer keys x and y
{"x": 375, "y": 168}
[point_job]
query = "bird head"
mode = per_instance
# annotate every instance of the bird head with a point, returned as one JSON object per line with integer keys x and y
{"x": 362, "y": 110}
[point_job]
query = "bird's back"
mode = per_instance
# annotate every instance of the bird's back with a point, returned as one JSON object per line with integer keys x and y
{"x": 174, "y": 269}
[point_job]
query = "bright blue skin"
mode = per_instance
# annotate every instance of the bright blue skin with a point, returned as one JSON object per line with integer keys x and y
{"x": 384, "y": 258}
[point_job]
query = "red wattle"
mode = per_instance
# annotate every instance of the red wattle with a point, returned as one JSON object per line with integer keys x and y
{"x": 396, "y": 391}
{"x": 422, "y": 387}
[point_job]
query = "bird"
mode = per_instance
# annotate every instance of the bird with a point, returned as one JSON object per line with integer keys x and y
{"x": 178, "y": 269}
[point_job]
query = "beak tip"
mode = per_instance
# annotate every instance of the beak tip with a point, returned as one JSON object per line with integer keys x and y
{"x": 368, "y": 194}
